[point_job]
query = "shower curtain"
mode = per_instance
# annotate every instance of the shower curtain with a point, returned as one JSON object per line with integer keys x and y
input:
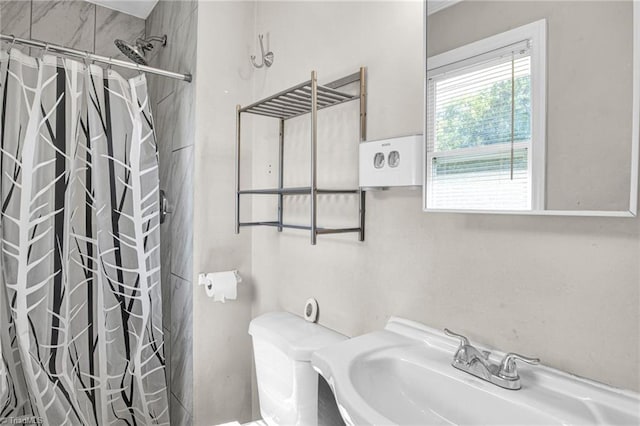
{"x": 81, "y": 338}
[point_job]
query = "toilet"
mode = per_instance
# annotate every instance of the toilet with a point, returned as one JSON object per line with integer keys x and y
{"x": 287, "y": 384}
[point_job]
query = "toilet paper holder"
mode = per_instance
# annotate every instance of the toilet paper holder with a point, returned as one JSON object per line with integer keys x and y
{"x": 220, "y": 286}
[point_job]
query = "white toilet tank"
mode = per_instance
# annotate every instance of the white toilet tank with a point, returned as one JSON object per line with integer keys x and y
{"x": 287, "y": 384}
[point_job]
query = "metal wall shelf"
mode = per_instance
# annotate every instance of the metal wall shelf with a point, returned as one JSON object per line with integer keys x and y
{"x": 303, "y": 227}
{"x": 296, "y": 101}
{"x": 304, "y": 98}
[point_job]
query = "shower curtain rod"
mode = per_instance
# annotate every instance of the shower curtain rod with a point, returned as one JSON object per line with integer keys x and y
{"x": 67, "y": 51}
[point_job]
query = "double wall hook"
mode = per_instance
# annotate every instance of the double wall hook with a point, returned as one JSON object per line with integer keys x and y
{"x": 267, "y": 58}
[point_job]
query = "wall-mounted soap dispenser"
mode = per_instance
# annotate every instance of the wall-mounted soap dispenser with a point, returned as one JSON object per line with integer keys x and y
{"x": 393, "y": 162}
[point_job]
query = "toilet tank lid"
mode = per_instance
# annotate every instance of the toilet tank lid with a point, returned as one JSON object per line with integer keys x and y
{"x": 292, "y": 334}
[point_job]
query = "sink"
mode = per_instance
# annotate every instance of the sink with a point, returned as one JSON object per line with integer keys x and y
{"x": 416, "y": 394}
{"x": 403, "y": 375}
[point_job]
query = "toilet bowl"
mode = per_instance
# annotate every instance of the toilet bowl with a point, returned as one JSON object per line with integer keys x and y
{"x": 287, "y": 384}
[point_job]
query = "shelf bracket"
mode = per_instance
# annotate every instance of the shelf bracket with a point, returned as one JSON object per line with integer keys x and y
{"x": 363, "y": 137}
{"x": 314, "y": 140}
{"x": 237, "y": 169}
{"x": 280, "y": 173}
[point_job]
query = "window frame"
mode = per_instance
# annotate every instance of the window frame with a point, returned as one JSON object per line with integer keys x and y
{"x": 475, "y": 53}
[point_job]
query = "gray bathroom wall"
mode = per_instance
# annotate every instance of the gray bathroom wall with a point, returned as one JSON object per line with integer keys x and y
{"x": 221, "y": 345}
{"x": 565, "y": 289}
{"x": 72, "y": 23}
{"x": 174, "y": 110}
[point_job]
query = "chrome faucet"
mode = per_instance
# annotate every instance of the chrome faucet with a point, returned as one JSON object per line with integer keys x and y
{"x": 470, "y": 360}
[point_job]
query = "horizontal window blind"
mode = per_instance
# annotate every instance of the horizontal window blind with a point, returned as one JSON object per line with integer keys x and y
{"x": 479, "y": 135}
{"x": 481, "y": 181}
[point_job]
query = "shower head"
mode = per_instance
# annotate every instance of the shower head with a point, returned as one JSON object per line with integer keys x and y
{"x": 137, "y": 51}
{"x": 132, "y": 51}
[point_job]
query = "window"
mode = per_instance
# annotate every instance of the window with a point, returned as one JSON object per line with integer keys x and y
{"x": 486, "y": 124}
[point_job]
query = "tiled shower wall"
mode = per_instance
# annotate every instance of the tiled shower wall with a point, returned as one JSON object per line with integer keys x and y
{"x": 77, "y": 24}
{"x": 173, "y": 106}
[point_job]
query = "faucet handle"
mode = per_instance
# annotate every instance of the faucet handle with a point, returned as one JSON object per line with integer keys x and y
{"x": 508, "y": 365}
{"x": 463, "y": 340}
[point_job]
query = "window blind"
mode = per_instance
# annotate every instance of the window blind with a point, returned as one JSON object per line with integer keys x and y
{"x": 479, "y": 134}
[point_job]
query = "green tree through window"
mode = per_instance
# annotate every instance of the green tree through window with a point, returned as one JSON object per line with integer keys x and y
{"x": 484, "y": 117}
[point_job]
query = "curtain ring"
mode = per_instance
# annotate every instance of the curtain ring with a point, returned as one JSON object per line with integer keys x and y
{"x": 86, "y": 59}
{"x": 44, "y": 51}
{"x": 13, "y": 42}
{"x": 109, "y": 64}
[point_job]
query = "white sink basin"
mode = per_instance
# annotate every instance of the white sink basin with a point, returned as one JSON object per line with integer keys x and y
{"x": 403, "y": 375}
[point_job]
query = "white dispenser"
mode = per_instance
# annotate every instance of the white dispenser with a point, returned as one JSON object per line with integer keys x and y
{"x": 393, "y": 162}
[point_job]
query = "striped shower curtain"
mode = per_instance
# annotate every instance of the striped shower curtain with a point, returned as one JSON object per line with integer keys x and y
{"x": 81, "y": 338}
